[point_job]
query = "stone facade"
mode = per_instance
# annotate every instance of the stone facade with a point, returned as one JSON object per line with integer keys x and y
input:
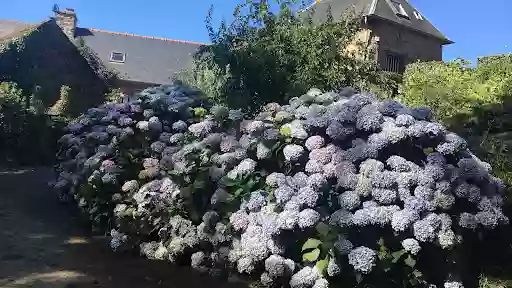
{"x": 403, "y": 43}
{"x": 66, "y": 19}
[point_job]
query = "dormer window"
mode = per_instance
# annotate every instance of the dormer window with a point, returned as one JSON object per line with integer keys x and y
{"x": 118, "y": 57}
{"x": 418, "y": 15}
{"x": 399, "y": 9}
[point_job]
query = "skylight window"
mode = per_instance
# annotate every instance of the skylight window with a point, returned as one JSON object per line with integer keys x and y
{"x": 418, "y": 15}
{"x": 118, "y": 57}
{"x": 399, "y": 9}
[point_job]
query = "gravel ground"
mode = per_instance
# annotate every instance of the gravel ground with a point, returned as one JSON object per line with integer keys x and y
{"x": 42, "y": 245}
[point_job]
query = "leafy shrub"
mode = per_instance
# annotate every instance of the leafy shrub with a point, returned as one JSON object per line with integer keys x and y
{"x": 62, "y": 106}
{"x": 264, "y": 57}
{"x": 23, "y": 126}
{"x": 330, "y": 188}
{"x": 472, "y": 101}
{"x": 114, "y": 95}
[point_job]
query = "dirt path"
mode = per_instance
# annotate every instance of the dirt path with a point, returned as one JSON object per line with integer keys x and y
{"x": 42, "y": 246}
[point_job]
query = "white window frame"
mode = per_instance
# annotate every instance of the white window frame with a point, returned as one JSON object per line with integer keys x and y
{"x": 401, "y": 11}
{"x": 418, "y": 15}
{"x": 111, "y": 58}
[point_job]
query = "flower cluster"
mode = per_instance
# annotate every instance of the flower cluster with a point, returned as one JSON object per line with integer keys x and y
{"x": 192, "y": 183}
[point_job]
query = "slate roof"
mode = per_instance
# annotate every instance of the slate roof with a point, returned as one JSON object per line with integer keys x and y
{"x": 11, "y": 28}
{"x": 148, "y": 59}
{"x": 380, "y": 9}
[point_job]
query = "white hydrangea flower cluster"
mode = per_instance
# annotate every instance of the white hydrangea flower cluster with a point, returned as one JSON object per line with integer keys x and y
{"x": 171, "y": 163}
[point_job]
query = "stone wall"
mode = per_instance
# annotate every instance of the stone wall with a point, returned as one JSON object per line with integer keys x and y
{"x": 412, "y": 45}
{"x": 46, "y": 58}
{"x": 66, "y": 19}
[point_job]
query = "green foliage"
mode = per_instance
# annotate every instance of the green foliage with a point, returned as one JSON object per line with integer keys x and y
{"x": 455, "y": 88}
{"x": 114, "y": 96}
{"x": 10, "y": 93}
{"x": 263, "y": 57}
{"x": 472, "y": 101}
{"x": 27, "y": 136}
{"x": 209, "y": 78}
{"x": 321, "y": 249}
{"x": 311, "y": 243}
{"x": 62, "y": 106}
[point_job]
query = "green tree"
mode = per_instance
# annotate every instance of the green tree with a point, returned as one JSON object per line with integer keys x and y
{"x": 263, "y": 57}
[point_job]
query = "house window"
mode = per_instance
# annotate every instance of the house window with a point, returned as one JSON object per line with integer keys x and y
{"x": 399, "y": 9}
{"x": 394, "y": 63}
{"x": 418, "y": 15}
{"x": 117, "y": 57}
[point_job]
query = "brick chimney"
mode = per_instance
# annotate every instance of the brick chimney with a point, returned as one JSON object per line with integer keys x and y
{"x": 66, "y": 19}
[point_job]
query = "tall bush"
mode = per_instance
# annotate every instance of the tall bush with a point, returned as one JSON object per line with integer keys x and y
{"x": 474, "y": 101}
{"x": 456, "y": 88}
{"x": 262, "y": 57}
{"x": 23, "y": 126}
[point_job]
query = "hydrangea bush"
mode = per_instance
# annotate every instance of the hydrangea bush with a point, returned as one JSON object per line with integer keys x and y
{"x": 332, "y": 188}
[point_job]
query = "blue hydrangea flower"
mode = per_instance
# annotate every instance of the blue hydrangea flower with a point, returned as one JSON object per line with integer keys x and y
{"x": 293, "y": 152}
{"x": 403, "y": 219}
{"x": 313, "y": 166}
{"x": 369, "y": 118}
{"x": 308, "y": 218}
{"x": 453, "y": 284}
{"x": 341, "y": 218}
{"x": 314, "y": 142}
{"x": 333, "y": 269}
{"x": 349, "y": 200}
{"x": 362, "y": 259}
{"x": 288, "y": 219}
{"x": 411, "y": 245}
{"x": 306, "y": 277}
{"x": 307, "y": 197}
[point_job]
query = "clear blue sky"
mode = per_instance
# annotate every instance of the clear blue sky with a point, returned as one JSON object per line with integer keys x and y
{"x": 478, "y": 27}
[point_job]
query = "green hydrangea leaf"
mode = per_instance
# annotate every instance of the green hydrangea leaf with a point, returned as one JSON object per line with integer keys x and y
{"x": 410, "y": 261}
{"x": 311, "y": 256}
{"x": 311, "y": 243}
{"x": 397, "y": 255}
{"x": 428, "y": 150}
{"x": 359, "y": 278}
{"x": 230, "y": 182}
{"x": 322, "y": 229}
{"x": 417, "y": 273}
{"x": 321, "y": 265}
{"x": 239, "y": 192}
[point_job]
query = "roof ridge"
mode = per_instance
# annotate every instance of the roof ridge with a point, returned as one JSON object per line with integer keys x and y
{"x": 16, "y": 21}
{"x": 146, "y": 37}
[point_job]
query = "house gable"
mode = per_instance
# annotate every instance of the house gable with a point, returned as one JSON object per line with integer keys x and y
{"x": 384, "y": 10}
{"x": 43, "y": 60}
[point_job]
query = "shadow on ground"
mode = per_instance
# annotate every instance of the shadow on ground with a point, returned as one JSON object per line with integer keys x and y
{"x": 41, "y": 245}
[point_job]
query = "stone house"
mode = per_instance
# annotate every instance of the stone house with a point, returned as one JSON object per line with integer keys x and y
{"x": 138, "y": 61}
{"x": 397, "y": 32}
